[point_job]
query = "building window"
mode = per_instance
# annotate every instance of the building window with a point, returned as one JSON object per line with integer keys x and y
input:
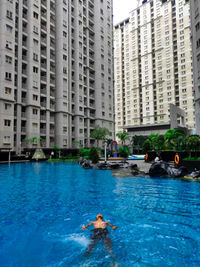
{"x": 35, "y": 97}
{"x": 8, "y": 59}
{"x": 35, "y": 111}
{"x": 7, "y": 106}
{"x": 35, "y": 57}
{"x": 8, "y": 28}
{"x": 9, "y": 15}
{"x": 35, "y": 69}
{"x": 35, "y": 125}
{"x": 9, "y": 45}
{"x": 35, "y": 15}
{"x": 8, "y": 91}
{"x": 35, "y": 29}
{"x": 7, "y": 123}
{"x": 8, "y": 76}
{"x": 6, "y": 139}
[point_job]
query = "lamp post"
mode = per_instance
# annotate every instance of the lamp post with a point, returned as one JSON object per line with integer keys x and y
{"x": 105, "y": 154}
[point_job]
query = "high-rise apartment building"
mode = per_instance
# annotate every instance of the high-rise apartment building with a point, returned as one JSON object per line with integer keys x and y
{"x": 153, "y": 64}
{"x": 195, "y": 27}
{"x": 56, "y": 71}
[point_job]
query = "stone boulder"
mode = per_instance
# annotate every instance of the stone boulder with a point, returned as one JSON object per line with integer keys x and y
{"x": 162, "y": 168}
{"x": 86, "y": 164}
{"x": 158, "y": 169}
{"x": 195, "y": 174}
{"x": 180, "y": 172}
{"x": 103, "y": 166}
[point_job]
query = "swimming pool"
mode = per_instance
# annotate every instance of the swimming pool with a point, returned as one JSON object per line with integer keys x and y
{"x": 44, "y": 205}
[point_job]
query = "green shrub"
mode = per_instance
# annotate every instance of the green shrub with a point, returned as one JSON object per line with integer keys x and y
{"x": 193, "y": 142}
{"x": 124, "y": 151}
{"x": 192, "y": 158}
{"x": 84, "y": 152}
{"x": 93, "y": 155}
{"x": 147, "y": 146}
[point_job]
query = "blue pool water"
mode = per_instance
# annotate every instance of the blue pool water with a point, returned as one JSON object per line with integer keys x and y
{"x": 44, "y": 205}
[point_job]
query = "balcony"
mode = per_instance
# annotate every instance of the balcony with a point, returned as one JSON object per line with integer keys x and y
{"x": 23, "y": 114}
{"x": 24, "y": 16}
{"x": 52, "y": 132}
{"x": 52, "y": 120}
{"x": 23, "y": 129}
{"x": 44, "y": 78}
{"x": 44, "y": 3}
{"x": 43, "y": 104}
{"x": 52, "y": 93}
{"x": 43, "y": 91}
{"x": 24, "y": 57}
{"x": 43, "y": 27}
{"x": 44, "y": 40}
{"x": 44, "y": 65}
{"x": 52, "y": 106}
{"x": 24, "y": 72}
{"x": 43, "y": 131}
{"x": 25, "y": 3}
{"x": 44, "y": 53}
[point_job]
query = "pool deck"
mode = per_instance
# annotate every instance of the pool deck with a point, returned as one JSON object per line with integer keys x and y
{"x": 127, "y": 172}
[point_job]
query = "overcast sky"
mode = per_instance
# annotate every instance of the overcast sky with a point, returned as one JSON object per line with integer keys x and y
{"x": 121, "y": 9}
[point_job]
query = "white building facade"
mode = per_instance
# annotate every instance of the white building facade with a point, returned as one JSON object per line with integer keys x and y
{"x": 56, "y": 71}
{"x": 195, "y": 27}
{"x": 153, "y": 64}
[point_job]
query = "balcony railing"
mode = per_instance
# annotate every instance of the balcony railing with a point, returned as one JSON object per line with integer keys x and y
{"x": 43, "y": 117}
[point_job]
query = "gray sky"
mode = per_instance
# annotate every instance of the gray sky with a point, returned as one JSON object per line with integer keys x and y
{"x": 121, "y": 9}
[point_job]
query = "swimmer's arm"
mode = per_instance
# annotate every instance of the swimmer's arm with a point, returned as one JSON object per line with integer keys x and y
{"x": 111, "y": 225}
{"x": 84, "y": 227}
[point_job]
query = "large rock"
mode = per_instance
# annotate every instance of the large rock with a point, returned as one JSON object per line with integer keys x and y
{"x": 103, "y": 166}
{"x": 158, "y": 169}
{"x": 162, "y": 168}
{"x": 182, "y": 171}
{"x": 195, "y": 174}
{"x": 86, "y": 164}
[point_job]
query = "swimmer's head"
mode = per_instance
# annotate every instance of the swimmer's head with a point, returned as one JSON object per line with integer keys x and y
{"x": 99, "y": 216}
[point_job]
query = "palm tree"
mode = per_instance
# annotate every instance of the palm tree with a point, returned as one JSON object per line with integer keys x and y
{"x": 123, "y": 136}
{"x": 99, "y": 134}
{"x": 172, "y": 137}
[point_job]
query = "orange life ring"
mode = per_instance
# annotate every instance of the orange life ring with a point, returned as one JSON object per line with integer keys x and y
{"x": 176, "y": 159}
{"x": 146, "y": 157}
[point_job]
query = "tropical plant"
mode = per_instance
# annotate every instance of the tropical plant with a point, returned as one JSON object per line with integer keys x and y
{"x": 123, "y": 136}
{"x": 137, "y": 142}
{"x": 124, "y": 151}
{"x": 155, "y": 142}
{"x": 193, "y": 143}
{"x": 173, "y": 136}
{"x": 147, "y": 146}
{"x": 93, "y": 155}
{"x": 84, "y": 152}
{"x": 58, "y": 150}
{"x": 32, "y": 140}
{"x": 99, "y": 134}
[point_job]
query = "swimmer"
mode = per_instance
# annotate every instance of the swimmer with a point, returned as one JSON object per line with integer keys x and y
{"x": 100, "y": 233}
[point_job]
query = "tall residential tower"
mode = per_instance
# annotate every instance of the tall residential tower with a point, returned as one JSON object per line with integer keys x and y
{"x": 153, "y": 65}
{"x": 195, "y": 27}
{"x": 56, "y": 71}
